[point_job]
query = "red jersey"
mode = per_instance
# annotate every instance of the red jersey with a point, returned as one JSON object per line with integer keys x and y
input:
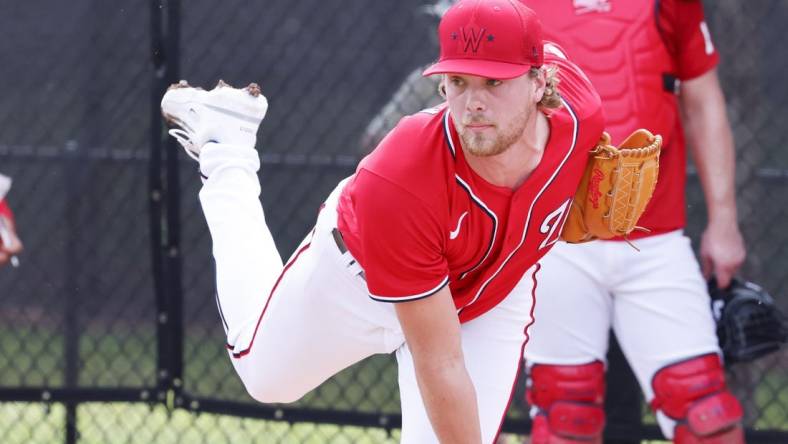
{"x": 634, "y": 51}
{"x": 417, "y": 217}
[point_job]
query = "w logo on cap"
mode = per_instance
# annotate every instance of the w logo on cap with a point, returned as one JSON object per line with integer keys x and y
{"x": 498, "y": 39}
{"x": 471, "y": 39}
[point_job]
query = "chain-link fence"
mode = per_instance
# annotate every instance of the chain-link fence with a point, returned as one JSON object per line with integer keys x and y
{"x": 109, "y": 331}
{"x": 79, "y": 314}
{"x": 758, "y": 108}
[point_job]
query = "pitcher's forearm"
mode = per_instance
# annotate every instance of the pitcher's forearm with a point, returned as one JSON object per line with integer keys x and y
{"x": 450, "y": 401}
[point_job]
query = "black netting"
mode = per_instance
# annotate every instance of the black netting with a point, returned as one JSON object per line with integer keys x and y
{"x": 78, "y": 312}
{"x": 89, "y": 342}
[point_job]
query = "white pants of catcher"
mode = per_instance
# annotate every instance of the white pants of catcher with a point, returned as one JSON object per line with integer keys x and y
{"x": 290, "y": 328}
{"x": 654, "y": 299}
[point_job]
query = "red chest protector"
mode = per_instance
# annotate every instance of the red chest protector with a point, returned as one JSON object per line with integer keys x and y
{"x": 628, "y": 63}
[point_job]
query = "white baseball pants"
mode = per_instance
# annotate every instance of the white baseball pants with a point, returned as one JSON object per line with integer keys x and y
{"x": 291, "y": 327}
{"x": 655, "y": 300}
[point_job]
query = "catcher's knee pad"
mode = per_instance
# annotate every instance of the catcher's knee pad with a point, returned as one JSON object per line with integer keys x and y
{"x": 567, "y": 403}
{"x": 693, "y": 393}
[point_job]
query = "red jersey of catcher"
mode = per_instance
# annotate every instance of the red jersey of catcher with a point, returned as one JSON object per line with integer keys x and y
{"x": 636, "y": 52}
{"x": 417, "y": 218}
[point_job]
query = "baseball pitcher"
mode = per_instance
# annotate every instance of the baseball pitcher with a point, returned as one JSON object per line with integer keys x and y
{"x": 430, "y": 249}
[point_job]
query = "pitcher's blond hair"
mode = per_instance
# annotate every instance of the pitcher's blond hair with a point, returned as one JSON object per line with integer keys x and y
{"x": 551, "y": 99}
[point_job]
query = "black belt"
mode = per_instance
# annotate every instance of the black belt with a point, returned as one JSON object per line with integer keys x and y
{"x": 338, "y": 239}
{"x": 670, "y": 83}
{"x": 342, "y": 247}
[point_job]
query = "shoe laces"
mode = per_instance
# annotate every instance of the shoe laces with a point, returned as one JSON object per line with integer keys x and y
{"x": 184, "y": 138}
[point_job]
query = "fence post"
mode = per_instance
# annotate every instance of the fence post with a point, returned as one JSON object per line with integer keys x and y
{"x": 164, "y": 210}
{"x": 174, "y": 281}
{"x": 72, "y": 290}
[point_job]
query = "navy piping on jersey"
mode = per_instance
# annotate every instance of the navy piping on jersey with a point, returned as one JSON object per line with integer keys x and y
{"x": 473, "y": 197}
{"x": 414, "y": 297}
{"x": 447, "y": 133}
{"x": 492, "y": 216}
{"x": 530, "y": 209}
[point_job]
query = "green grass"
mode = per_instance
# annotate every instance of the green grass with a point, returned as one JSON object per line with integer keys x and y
{"x": 120, "y": 357}
{"x": 116, "y": 423}
{"x": 31, "y": 423}
{"x": 119, "y": 423}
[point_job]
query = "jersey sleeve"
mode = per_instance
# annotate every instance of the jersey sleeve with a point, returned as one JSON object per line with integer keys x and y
{"x": 401, "y": 240}
{"x": 684, "y": 27}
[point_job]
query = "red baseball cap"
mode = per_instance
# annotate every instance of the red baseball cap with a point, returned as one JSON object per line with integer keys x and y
{"x": 496, "y": 39}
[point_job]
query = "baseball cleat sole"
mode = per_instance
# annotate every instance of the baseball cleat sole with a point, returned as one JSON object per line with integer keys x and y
{"x": 247, "y": 103}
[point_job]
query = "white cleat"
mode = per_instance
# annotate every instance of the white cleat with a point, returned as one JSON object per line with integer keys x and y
{"x": 223, "y": 114}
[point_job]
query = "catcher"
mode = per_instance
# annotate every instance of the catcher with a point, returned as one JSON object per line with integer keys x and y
{"x": 653, "y": 63}
{"x": 430, "y": 250}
